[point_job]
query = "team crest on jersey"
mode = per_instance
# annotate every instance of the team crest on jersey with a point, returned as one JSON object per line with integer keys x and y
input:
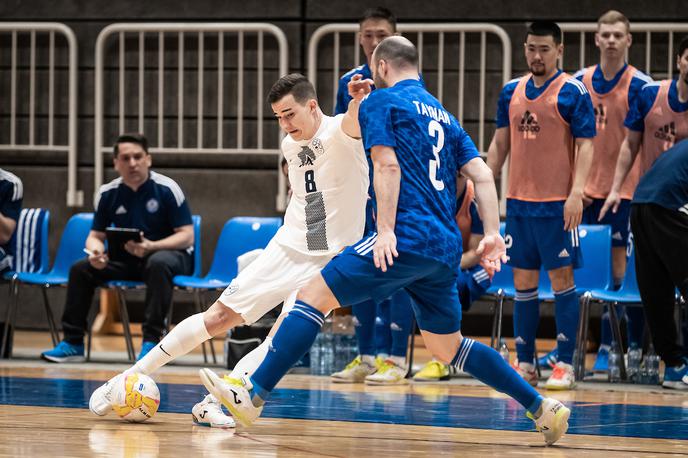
{"x": 307, "y": 156}
{"x": 310, "y": 153}
{"x": 152, "y": 206}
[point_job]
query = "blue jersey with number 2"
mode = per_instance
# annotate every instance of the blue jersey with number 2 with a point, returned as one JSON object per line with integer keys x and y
{"x": 431, "y": 147}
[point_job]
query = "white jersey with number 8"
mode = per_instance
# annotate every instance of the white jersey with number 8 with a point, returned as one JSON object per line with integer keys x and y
{"x": 329, "y": 182}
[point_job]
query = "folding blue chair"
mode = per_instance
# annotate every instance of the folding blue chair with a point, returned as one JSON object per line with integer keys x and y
{"x": 627, "y": 294}
{"x": 239, "y": 235}
{"x": 30, "y": 243}
{"x": 121, "y": 286}
{"x": 69, "y": 251}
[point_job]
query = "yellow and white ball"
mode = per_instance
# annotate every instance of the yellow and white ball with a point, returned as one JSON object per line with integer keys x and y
{"x": 136, "y": 399}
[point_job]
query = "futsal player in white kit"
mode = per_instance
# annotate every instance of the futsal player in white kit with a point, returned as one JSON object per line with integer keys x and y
{"x": 328, "y": 173}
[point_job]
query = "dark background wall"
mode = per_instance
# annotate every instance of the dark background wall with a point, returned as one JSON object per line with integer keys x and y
{"x": 217, "y": 187}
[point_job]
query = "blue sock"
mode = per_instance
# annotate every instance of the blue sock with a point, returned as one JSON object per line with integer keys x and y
{"x": 294, "y": 337}
{"x": 526, "y": 319}
{"x": 566, "y": 314}
{"x": 485, "y": 364}
{"x": 635, "y": 325}
{"x": 364, "y": 313}
{"x": 383, "y": 335}
{"x": 401, "y": 322}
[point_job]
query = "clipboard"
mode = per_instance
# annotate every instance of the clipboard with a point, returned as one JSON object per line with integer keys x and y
{"x": 117, "y": 237}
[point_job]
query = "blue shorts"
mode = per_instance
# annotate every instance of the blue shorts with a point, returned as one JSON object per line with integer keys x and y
{"x": 472, "y": 284}
{"x": 619, "y": 221}
{"x": 535, "y": 242}
{"x": 353, "y": 278}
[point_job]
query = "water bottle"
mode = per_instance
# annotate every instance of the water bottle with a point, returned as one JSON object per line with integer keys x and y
{"x": 652, "y": 366}
{"x": 635, "y": 356}
{"x": 316, "y": 354}
{"x": 328, "y": 354}
{"x": 504, "y": 352}
{"x": 614, "y": 368}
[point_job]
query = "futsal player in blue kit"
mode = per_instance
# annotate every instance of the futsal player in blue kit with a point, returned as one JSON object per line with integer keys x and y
{"x": 417, "y": 149}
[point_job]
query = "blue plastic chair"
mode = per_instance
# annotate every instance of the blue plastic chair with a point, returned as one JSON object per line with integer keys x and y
{"x": 30, "y": 244}
{"x": 70, "y": 250}
{"x": 596, "y": 273}
{"x": 627, "y": 294}
{"x": 121, "y": 286}
{"x": 239, "y": 235}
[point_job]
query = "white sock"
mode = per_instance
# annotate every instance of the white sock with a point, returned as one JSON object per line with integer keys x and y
{"x": 398, "y": 360}
{"x": 249, "y": 363}
{"x": 186, "y": 336}
{"x": 368, "y": 359}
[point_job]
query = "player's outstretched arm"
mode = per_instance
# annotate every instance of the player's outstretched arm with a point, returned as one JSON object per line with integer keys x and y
{"x": 573, "y": 207}
{"x": 358, "y": 89}
{"x": 491, "y": 248}
{"x": 627, "y": 156}
{"x": 386, "y": 179}
{"x": 498, "y": 150}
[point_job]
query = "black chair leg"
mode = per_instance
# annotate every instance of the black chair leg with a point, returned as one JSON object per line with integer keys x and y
{"x": 9, "y": 318}
{"x": 89, "y": 337}
{"x": 412, "y": 348}
{"x": 582, "y": 337}
{"x": 497, "y": 320}
{"x": 124, "y": 315}
{"x": 616, "y": 331}
{"x": 199, "y": 309}
{"x": 51, "y": 319}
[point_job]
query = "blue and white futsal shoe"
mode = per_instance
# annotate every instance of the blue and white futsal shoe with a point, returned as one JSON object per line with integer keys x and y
{"x": 235, "y": 394}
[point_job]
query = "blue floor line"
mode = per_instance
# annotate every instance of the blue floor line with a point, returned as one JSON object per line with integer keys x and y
{"x": 627, "y": 420}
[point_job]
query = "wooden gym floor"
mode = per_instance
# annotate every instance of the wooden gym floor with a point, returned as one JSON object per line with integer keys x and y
{"x": 43, "y": 411}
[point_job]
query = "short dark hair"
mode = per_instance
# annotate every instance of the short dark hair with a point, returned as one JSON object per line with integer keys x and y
{"x": 379, "y": 12}
{"x": 295, "y": 84}
{"x": 545, "y": 29}
{"x": 397, "y": 51}
{"x": 682, "y": 46}
{"x": 137, "y": 138}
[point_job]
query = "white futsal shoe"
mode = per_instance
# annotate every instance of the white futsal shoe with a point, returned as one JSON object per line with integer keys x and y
{"x": 354, "y": 372}
{"x": 562, "y": 378}
{"x": 389, "y": 373}
{"x": 235, "y": 394}
{"x": 209, "y": 413}
{"x": 554, "y": 420}
{"x": 100, "y": 402}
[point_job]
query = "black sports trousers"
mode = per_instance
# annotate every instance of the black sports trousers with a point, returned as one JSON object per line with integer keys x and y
{"x": 661, "y": 243}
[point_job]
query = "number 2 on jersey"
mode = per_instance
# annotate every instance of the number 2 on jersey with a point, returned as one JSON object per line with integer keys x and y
{"x": 435, "y": 130}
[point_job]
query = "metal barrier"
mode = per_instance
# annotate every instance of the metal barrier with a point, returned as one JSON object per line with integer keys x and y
{"x": 211, "y": 46}
{"x": 638, "y": 29}
{"x": 37, "y": 138}
{"x": 421, "y": 31}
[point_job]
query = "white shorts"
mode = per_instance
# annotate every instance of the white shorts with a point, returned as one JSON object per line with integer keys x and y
{"x": 272, "y": 278}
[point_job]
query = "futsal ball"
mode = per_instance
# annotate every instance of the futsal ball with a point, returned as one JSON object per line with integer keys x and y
{"x": 136, "y": 398}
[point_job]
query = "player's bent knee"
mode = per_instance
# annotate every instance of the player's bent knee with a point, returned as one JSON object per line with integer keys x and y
{"x": 219, "y": 319}
{"x": 318, "y": 295}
